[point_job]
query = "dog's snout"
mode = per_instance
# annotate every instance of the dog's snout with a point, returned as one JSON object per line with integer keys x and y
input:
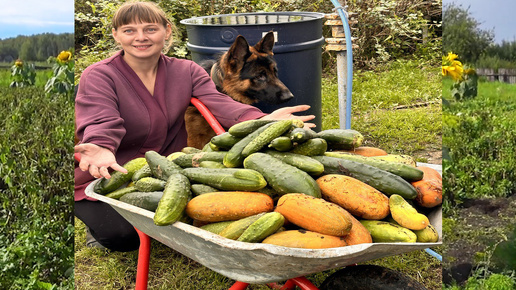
{"x": 286, "y": 96}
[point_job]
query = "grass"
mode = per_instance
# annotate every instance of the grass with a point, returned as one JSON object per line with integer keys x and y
{"x": 376, "y": 97}
{"x": 407, "y": 131}
{"x": 42, "y": 77}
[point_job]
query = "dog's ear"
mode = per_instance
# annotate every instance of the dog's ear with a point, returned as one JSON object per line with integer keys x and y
{"x": 239, "y": 51}
{"x": 266, "y": 44}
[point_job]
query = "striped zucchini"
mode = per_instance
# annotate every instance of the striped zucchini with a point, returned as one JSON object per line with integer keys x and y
{"x": 405, "y": 171}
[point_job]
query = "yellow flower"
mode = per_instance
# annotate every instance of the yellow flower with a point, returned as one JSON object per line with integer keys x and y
{"x": 18, "y": 63}
{"x": 455, "y": 72}
{"x": 451, "y": 56}
{"x": 64, "y": 56}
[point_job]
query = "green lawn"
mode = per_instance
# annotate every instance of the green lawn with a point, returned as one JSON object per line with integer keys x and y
{"x": 407, "y": 131}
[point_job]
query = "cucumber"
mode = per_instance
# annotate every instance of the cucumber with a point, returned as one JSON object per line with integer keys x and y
{"x": 303, "y": 162}
{"x": 190, "y": 150}
{"x": 194, "y": 159}
{"x": 145, "y": 200}
{"x": 382, "y": 180}
{"x": 217, "y": 227}
{"x": 235, "y": 229}
{"x": 282, "y": 177}
{"x": 145, "y": 171}
{"x": 265, "y": 137}
{"x": 160, "y": 166}
{"x": 211, "y": 164}
{"x": 311, "y": 147}
{"x": 117, "y": 194}
{"x": 405, "y": 171}
{"x": 339, "y": 139}
{"x": 174, "y": 155}
{"x": 227, "y": 178}
{"x": 300, "y": 135}
{"x": 207, "y": 148}
{"x": 225, "y": 140}
{"x": 385, "y": 232}
{"x": 234, "y": 157}
{"x": 105, "y": 186}
{"x": 198, "y": 189}
{"x": 148, "y": 184}
{"x": 265, "y": 226}
{"x": 282, "y": 143}
{"x": 245, "y": 128}
{"x": 172, "y": 205}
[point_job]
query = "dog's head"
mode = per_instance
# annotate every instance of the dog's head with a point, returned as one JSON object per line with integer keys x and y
{"x": 250, "y": 73}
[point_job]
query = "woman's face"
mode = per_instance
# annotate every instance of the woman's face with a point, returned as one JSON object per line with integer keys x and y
{"x": 142, "y": 40}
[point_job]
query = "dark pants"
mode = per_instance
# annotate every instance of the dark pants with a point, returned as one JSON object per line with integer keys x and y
{"x": 107, "y": 226}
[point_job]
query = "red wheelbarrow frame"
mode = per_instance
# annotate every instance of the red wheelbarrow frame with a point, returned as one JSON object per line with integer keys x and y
{"x": 142, "y": 272}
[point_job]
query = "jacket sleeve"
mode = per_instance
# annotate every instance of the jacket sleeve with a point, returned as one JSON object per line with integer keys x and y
{"x": 226, "y": 110}
{"x": 97, "y": 116}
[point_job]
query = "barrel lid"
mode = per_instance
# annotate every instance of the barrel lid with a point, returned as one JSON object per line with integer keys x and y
{"x": 257, "y": 18}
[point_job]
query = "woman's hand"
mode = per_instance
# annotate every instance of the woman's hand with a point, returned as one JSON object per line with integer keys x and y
{"x": 287, "y": 113}
{"x": 97, "y": 160}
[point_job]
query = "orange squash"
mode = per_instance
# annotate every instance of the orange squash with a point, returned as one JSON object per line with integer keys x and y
{"x": 314, "y": 214}
{"x": 304, "y": 239}
{"x": 366, "y": 151}
{"x": 228, "y": 205}
{"x": 430, "y": 188}
{"x": 360, "y": 199}
{"x": 358, "y": 234}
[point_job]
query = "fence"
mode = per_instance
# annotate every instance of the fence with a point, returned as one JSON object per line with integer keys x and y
{"x": 502, "y": 74}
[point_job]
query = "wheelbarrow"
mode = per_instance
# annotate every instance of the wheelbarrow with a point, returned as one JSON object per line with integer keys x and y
{"x": 250, "y": 263}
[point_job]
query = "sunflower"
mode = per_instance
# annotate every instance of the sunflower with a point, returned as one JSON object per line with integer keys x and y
{"x": 64, "y": 56}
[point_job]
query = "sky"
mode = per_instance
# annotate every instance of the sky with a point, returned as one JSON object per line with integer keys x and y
{"x": 29, "y": 17}
{"x": 495, "y": 15}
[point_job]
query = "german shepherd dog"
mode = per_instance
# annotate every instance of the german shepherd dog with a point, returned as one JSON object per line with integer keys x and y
{"x": 248, "y": 74}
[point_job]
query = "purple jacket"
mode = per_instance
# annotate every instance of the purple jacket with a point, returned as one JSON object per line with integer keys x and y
{"x": 113, "y": 109}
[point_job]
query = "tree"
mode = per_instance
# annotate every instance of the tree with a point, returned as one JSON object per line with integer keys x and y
{"x": 462, "y": 34}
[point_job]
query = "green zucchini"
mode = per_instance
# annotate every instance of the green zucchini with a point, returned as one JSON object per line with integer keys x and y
{"x": 303, "y": 162}
{"x": 225, "y": 140}
{"x": 227, "y": 178}
{"x": 234, "y": 157}
{"x": 300, "y": 135}
{"x": 147, "y": 184}
{"x": 265, "y": 137}
{"x": 198, "y": 189}
{"x": 282, "y": 143}
{"x": 117, "y": 194}
{"x": 145, "y": 200}
{"x": 172, "y": 205}
{"x": 160, "y": 166}
{"x": 263, "y": 227}
{"x": 382, "y": 180}
{"x": 235, "y": 229}
{"x": 405, "y": 171}
{"x": 245, "y": 128}
{"x": 339, "y": 139}
{"x": 282, "y": 177}
{"x": 105, "y": 186}
{"x": 194, "y": 159}
{"x": 311, "y": 147}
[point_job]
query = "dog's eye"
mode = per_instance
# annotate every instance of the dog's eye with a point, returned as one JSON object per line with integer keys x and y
{"x": 261, "y": 78}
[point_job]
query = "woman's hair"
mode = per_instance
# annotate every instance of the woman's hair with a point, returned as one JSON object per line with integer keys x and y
{"x": 142, "y": 12}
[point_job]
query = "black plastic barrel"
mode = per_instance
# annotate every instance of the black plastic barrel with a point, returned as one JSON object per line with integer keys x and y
{"x": 297, "y": 49}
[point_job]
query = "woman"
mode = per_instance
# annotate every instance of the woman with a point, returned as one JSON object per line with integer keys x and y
{"x": 134, "y": 102}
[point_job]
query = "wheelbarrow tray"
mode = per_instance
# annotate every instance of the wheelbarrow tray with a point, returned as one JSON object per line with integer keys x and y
{"x": 257, "y": 263}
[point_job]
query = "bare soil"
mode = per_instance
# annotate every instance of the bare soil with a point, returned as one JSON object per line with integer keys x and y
{"x": 476, "y": 217}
